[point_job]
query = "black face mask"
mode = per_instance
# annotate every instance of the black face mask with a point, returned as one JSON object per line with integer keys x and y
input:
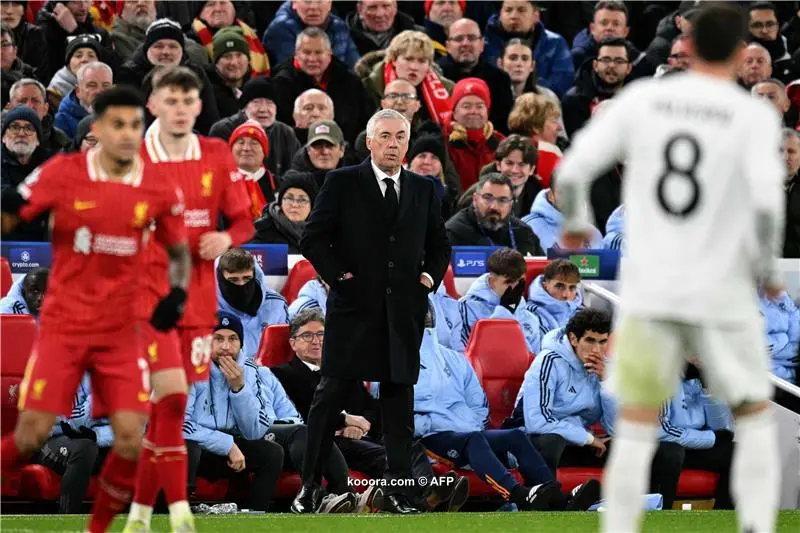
{"x": 245, "y": 298}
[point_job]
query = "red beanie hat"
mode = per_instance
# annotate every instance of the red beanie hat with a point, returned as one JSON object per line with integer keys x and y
{"x": 253, "y": 129}
{"x": 429, "y": 3}
{"x": 471, "y": 87}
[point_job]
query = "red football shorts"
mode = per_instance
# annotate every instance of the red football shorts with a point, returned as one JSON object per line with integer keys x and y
{"x": 187, "y": 348}
{"x": 119, "y": 376}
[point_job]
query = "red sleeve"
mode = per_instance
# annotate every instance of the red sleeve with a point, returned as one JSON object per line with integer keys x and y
{"x": 170, "y": 227}
{"x": 235, "y": 204}
{"x": 41, "y": 189}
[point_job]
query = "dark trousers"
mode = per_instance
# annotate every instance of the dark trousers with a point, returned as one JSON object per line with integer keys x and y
{"x": 397, "y": 421}
{"x": 715, "y": 459}
{"x": 487, "y": 451}
{"x": 262, "y": 458}
{"x": 664, "y": 472}
{"x": 293, "y": 439}
{"x": 75, "y": 460}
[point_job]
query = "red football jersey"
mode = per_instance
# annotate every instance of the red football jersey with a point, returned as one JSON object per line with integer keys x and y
{"x": 99, "y": 229}
{"x": 211, "y": 185}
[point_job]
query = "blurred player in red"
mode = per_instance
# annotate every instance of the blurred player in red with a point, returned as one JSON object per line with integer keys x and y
{"x": 102, "y": 202}
{"x": 205, "y": 171}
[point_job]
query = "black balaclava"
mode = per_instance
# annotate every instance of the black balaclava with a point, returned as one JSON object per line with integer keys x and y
{"x": 245, "y": 298}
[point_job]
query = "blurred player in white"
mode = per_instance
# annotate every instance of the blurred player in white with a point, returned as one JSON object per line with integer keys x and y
{"x": 704, "y": 217}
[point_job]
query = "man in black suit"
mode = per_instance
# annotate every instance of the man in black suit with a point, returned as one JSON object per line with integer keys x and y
{"x": 377, "y": 238}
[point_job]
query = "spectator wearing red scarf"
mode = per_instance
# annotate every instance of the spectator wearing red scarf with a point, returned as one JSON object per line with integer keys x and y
{"x": 250, "y": 149}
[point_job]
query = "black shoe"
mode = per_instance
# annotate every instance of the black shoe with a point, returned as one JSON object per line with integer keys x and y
{"x": 460, "y": 494}
{"x": 584, "y": 496}
{"x": 455, "y": 492}
{"x": 307, "y": 500}
{"x": 398, "y": 504}
{"x": 540, "y": 497}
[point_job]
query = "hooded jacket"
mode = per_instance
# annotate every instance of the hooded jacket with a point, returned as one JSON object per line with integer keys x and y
{"x": 554, "y": 68}
{"x": 70, "y": 112}
{"x": 368, "y": 41}
{"x": 552, "y": 313}
{"x": 14, "y": 303}
{"x": 482, "y": 302}
{"x": 546, "y": 222}
{"x": 81, "y": 416}
{"x": 463, "y": 229}
{"x": 272, "y": 310}
{"x": 558, "y": 396}
{"x": 13, "y": 173}
{"x": 62, "y": 83}
{"x": 312, "y": 295}
{"x": 691, "y": 417}
{"x": 126, "y": 37}
{"x": 448, "y": 395}
{"x": 445, "y": 314}
{"x": 580, "y": 99}
{"x": 215, "y": 415}
{"x": 280, "y": 35}
{"x": 615, "y": 236}
{"x": 782, "y": 321}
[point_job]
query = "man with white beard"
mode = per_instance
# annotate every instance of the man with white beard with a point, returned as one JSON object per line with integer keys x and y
{"x": 21, "y": 154}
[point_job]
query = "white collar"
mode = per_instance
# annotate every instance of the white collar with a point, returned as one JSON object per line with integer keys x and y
{"x": 97, "y": 173}
{"x": 381, "y": 175}
{"x": 313, "y": 367}
{"x": 157, "y": 152}
{"x": 253, "y": 176}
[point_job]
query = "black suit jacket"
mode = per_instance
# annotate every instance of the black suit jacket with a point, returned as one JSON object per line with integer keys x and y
{"x": 300, "y": 382}
{"x": 374, "y": 321}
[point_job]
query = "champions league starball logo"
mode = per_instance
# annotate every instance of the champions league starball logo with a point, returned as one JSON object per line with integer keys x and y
{"x": 25, "y": 256}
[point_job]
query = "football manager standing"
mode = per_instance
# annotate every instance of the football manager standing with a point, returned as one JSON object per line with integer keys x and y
{"x": 377, "y": 238}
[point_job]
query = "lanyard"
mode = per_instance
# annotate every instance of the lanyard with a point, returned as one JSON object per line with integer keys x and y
{"x": 510, "y": 236}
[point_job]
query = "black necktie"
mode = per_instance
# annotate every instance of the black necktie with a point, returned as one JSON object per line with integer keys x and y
{"x": 390, "y": 199}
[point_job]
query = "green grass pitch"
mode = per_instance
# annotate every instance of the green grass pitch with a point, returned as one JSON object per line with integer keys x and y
{"x": 656, "y": 522}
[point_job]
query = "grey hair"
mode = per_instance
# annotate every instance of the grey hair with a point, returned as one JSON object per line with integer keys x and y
{"x": 788, "y": 133}
{"x": 776, "y": 82}
{"x": 313, "y": 33}
{"x": 757, "y": 45}
{"x": 24, "y": 82}
{"x": 308, "y": 93}
{"x": 387, "y": 114}
{"x": 92, "y": 66}
{"x": 304, "y": 317}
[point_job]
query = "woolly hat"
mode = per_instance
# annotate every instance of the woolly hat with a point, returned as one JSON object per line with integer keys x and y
{"x": 428, "y": 143}
{"x": 84, "y": 126}
{"x": 22, "y": 112}
{"x": 429, "y": 4}
{"x": 231, "y": 322}
{"x": 251, "y": 128}
{"x": 260, "y": 87}
{"x": 229, "y": 39}
{"x": 86, "y": 40}
{"x": 471, "y": 87}
{"x": 162, "y": 29}
{"x": 298, "y": 180}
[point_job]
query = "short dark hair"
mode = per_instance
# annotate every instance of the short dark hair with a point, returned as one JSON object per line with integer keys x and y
{"x": 506, "y": 262}
{"x": 611, "y": 5}
{"x": 761, "y": 6}
{"x": 563, "y": 268}
{"x": 617, "y": 42}
{"x": 495, "y": 178}
{"x": 5, "y": 29}
{"x": 530, "y": 154}
{"x": 718, "y": 30}
{"x": 117, "y": 96}
{"x": 304, "y": 317}
{"x": 182, "y": 78}
{"x": 589, "y": 319}
{"x": 236, "y": 260}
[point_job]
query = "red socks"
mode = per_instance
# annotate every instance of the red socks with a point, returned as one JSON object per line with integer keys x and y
{"x": 115, "y": 488}
{"x": 10, "y": 458}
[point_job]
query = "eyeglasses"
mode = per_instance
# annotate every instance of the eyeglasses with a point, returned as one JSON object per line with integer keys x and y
{"x": 614, "y": 60}
{"x": 26, "y": 129}
{"x": 679, "y": 55}
{"x": 462, "y": 38}
{"x": 768, "y": 25}
{"x": 295, "y": 201}
{"x": 308, "y": 336}
{"x": 89, "y": 140}
{"x": 405, "y": 97}
{"x": 501, "y": 200}
{"x": 6, "y": 44}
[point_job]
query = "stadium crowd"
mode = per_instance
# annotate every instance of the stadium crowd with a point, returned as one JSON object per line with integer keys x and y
{"x": 494, "y": 91}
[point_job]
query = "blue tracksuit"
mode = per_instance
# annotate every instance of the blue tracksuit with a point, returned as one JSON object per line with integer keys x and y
{"x": 552, "y": 313}
{"x": 782, "y": 320}
{"x": 691, "y": 417}
{"x": 445, "y": 314}
{"x": 312, "y": 295}
{"x": 546, "y": 222}
{"x": 451, "y": 413}
{"x": 13, "y": 303}
{"x": 70, "y": 113}
{"x": 615, "y": 234}
{"x": 82, "y": 416}
{"x": 273, "y": 310}
{"x": 215, "y": 414}
{"x": 559, "y": 397}
{"x": 482, "y": 302}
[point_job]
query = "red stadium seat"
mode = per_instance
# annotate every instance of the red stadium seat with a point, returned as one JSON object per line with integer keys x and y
{"x": 301, "y": 272}
{"x": 499, "y": 355}
{"x": 533, "y": 267}
{"x": 6, "y": 281}
{"x": 17, "y": 333}
{"x": 450, "y": 283}
{"x": 274, "y": 347}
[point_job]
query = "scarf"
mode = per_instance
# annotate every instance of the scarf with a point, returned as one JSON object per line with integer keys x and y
{"x": 461, "y": 134}
{"x": 254, "y": 192}
{"x": 291, "y": 229}
{"x": 436, "y": 97}
{"x": 323, "y": 83}
{"x": 259, "y": 62}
